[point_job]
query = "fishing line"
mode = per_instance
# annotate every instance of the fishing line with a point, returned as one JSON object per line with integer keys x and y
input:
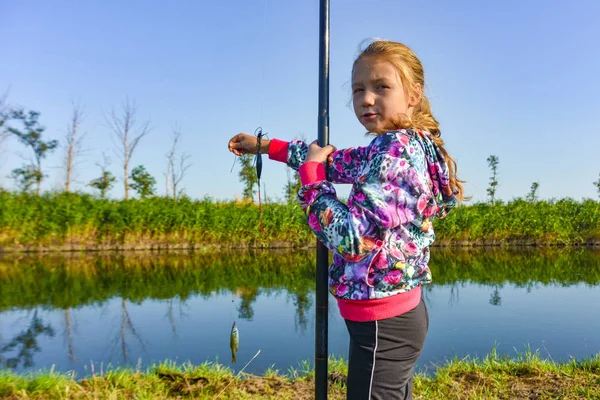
{"x": 234, "y": 334}
{"x": 238, "y": 374}
{"x": 259, "y": 130}
{"x": 259, "y": 136}
{"x": 262, "y": 69}
{"x": 262, "y": 83}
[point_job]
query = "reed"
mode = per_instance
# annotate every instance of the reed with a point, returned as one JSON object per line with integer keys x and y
{"x": 76, "y": 221}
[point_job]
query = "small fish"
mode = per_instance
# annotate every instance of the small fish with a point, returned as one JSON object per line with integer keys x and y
{"x": 234, "y": 341}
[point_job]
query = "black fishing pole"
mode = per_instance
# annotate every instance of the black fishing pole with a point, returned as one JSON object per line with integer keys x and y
{"x": 322, "y": 293}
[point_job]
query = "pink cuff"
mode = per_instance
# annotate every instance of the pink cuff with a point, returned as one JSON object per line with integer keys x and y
{"x": 278, "y": 150}
{"x": 311, "y": 172}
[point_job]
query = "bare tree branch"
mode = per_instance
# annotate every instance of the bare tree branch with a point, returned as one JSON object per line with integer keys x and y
{"x": 171, "y": 157}
{"x": 4, "y": 116}
{"x": 3, "y": 136}
{"x": 175, "y": 174}
{"x": 128, "y": 133}
{"x": 105, "y": 162}
{"x": 179, "y": 173}
{"x": 73, "y": 143}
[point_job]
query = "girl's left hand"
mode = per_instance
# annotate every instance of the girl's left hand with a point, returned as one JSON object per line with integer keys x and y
{"x": 318, "y": 153}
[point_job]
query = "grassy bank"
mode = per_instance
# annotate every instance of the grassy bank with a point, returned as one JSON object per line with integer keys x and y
{"x": 72, "y": 221}
{"x": 525, "y": 377}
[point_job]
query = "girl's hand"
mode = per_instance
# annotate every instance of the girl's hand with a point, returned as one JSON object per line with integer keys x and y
{"x": 318, "y": 153}
{"x": 243, "y": 143}
{"x": 330, "y": 159}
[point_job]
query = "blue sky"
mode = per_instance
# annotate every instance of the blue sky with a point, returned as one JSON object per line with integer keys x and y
{"x": 514, "y": 79}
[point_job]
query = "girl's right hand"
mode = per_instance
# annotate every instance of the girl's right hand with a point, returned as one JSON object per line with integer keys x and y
{"x": 243, "y": 143}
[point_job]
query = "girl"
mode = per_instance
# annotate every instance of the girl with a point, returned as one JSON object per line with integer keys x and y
{"x": 380, "y": 240}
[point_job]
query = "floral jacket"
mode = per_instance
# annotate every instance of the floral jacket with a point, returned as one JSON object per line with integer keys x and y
{"x": 380, "y": 239}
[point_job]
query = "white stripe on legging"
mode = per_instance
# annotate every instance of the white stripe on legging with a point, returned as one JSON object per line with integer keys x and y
{"x": 374, "y": 352}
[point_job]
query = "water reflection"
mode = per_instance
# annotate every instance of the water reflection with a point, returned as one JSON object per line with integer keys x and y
{"x": 127, "y": 326}
{"x": 302, "y": 302}
{"x": 25, "y": 344}
{"x": 68, "y": 334}
{"x": 495, "y": 298}
{"x": 247, "y": 297}
{"x": 118, "y": 309}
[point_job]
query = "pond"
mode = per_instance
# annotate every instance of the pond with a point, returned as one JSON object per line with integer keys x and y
{"x": 89, "y": 312}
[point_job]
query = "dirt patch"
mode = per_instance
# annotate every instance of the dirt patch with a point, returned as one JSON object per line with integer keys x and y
{"x": 251, "y": 385}
{"x": 520, "y": 386}
{"x": 184, "y": 385}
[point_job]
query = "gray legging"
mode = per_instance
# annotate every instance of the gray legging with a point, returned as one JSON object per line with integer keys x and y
{"x": 383, "y": 354}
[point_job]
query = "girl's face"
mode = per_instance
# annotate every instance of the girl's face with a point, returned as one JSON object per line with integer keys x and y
{"x": 378, "y": 95}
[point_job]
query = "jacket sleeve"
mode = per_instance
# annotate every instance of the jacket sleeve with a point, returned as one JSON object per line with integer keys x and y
{"x": 292, "y": 153}
{"x": 345, "y": 167}
{"x": 389, "y": 192}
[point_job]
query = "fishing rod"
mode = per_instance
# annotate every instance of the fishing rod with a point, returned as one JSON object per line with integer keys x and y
{"x": 321, "y": 324}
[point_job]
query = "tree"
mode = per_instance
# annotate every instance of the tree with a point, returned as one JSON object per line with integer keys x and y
{"x": 72, "y": 144}
{"x": 248, "y": 176}
{"x": 292, "y": 186}
{"x": 103, "y": 183}
{"x": 532, "y": 196}
{"x": 597, "y": 184}
{"x": 143, "y": 182}
{"x": 171, "y": 159}
{"x": 493, "y": 164}
{"x": 128, "y": 134}
{"x": 26, "y": 177}
{"x": 5, "y": 113}
{"x": 32, "y": 137}
{"x": 175, "y": 174}
{"x": 106, "y": 180}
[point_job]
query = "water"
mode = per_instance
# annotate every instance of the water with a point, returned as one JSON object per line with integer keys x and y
{"x": 87, "y": 313}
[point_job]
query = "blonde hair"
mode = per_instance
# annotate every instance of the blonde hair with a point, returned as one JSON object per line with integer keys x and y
{"x": 410, "y": 69}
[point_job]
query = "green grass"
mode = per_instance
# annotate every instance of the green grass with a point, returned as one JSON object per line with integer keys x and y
{"x": 75, "y": 221}
{"x": 554, "y": 222}
{"x": 81, "y": 221}
{"x": 526, "y": 376}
